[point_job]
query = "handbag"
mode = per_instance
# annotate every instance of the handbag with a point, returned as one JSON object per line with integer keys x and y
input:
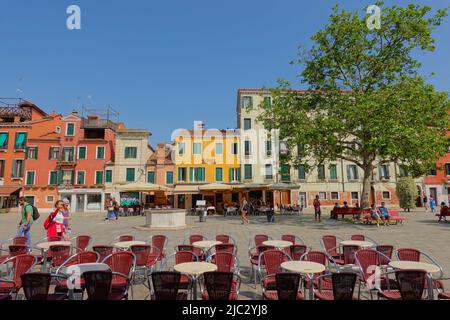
{"x": 47, "y": 222}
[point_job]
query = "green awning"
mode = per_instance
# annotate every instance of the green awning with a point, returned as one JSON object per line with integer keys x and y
{"x": 3, "y": 137}
{"x": 20, "y": 139}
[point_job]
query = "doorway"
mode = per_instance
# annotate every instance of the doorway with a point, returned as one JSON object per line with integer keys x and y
{"x": 80, "y": 203}
{"x": 302, "y": 199}
{"x": 372, "y": 196}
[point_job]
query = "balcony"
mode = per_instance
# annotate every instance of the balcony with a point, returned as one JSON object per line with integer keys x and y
{"x": 96, "y": 123}
{"x": 67, "y": 163}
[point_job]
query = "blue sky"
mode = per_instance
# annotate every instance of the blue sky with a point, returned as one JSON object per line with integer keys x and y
{"x": 164, "y": 64}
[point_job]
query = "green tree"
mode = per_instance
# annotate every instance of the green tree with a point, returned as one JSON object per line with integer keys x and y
{"x": 365, "y": 100}
{"x": 407, "y": 193}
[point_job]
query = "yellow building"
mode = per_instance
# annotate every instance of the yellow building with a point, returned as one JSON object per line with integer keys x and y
{"x": 207, "y": 164}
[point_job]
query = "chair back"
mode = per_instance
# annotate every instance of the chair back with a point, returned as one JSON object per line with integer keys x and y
{"x": 36, "y": 285}
{"x": 195, "y": 237}
{"x": 288, "y": 237}
{"x": 224, "y": 261}
{"x": 19, "y": 241}
{"x": 82, "y": 257}
{"x": 365, "y": 258}
{"x": 349, "y": 253}
{"x": 18, "y": 249}
{"x": 411, "y": 283}
{"x": 224, "y": 238}
{"x": 185, "y": 247}
{"x": 343, "y": 285}
{"x": 125, "y": 237}
{"x": 315, "y": 256}
{"x": 330, "y": 245}
{"x": 297, "y": 250}
{"x": 82, "y": 242}
{"x": 287, "y": 285}
{"x": 142, "y": 252}
{"x": 358, "y": 237}
{"x": 218, "y": 284}
{"x": 386, "y": 251}
{"x": 103, "y": 250}
{"x": 58, "y": 254}
{"x": 260, "y": 238}
{"x": 53, "y": 239}
{"x": 21, "y": 264}
{"x": 97, "y": 284}
{"x": 272, "y": 260}
{"x": 165, "y": 284}
{"x": 122, "y": 262}
{"x": 160, "y": 241}
{"x": 225, "y": 247}
{"x": 408, "y": 254}
{"x": 185, "y": 256}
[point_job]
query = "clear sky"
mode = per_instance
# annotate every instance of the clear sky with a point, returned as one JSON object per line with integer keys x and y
{"x": 163, "y": 64}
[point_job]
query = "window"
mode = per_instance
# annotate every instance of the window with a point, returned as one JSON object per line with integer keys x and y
{"x": 2, "y": 168}
{"x": 32, "y": 153}
{"x": 234, "y": 148}
{"x": 322, "y": 195}
{"x": 53, "y": 153}
{"x": 68, "y": 153}
{"x": 300, "y": 149}
{"x": 268, "y": 147}
{"x": 268, "y": 171}
{"x": 30, "y": 178}
{"x": 447, "y": 169}
{"x": 182, "y": 174}
{"x": 58, "y": 129}
{"x": 181, "y": 148}
{"x": 354, "y": 195}
{"x": 248, "y": 171}
{"x": 218, "y": 148}
{"x": 70, "y": 129}
{"x": 17, "y": 169}
{"x": 169, "y": 177}
{"x": 100, "y": 154}
{"x": 197, "y": 174}
{"x": 352, "y": 172}
{"x": 285, "y": 173}
{"x": 82, "y": 152}
{"x": 94, "y": 201}
{"x": 130, "y": 174}
{"x": 247, "y": 124}
{"x": 334, "y": 195}
{"x": 333, "y": 172}
{"x": 383, "y": 171}
{"x": 130, "y": 152}
{"x": 80, "y": 177}
{"x": 301, "y": 172}
{"x": 49, "y": 199}
{"x": 283, "y": 148}
{"x": 151, "y": 176}
{"x": 68, "y": 177}
{"x": 247, "y": 147}
{"x": 197, "y": 148}
{"x": 21, "y": 138}
{"x": 321, "y": 172}
{"x": 432, "y": 171}
{"x": 53, "y": 178}
{"x": 108, "y": 175}
{"x": 247, "y": 102}
{"x": 219, "y": 174}
{"x": 235, "y": 174}
{"x": 3, "y": 140}
{"x": 98, "y": 177}
{"x": 402, "y": 171}
{"x": 267, "y": 102}
{"x": 386, "y": 195}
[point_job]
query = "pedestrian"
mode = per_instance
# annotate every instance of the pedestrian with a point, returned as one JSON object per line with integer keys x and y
{"x": 317, "y": 211}
{"x": 55, "y": 221}
{"x": 115, "y": 205}
{"x": 384, "y": 214}
{"x": 432, "y": 204}
{"x": 66, "y": 214}
{"x": 244, "y": 210}
{"x": 444, "y": 212}
{"x": 333, "y": 214}
{"x": 425, "y": 202}
{"x": 111, "y": 214}
{"x": 26, "y": 220}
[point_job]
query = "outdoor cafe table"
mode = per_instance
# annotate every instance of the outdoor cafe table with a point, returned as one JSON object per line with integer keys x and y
{"x": 280, "y": 244}
{"x": 304, "y": 267}
{"x": 195, "y": 269}
{"x": 44, "y": 246}
{"x": 125, "y": 245}
{"x": 414, "y": 265}
{"x": 362, "y": 244}
{"x": 205, "y": 244}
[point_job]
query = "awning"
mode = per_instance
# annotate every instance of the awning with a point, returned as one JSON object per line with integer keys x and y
{"x": 187, "y": 189}
{"x": 283, "y": 186}
{"x": 6, "y": 191}
{"x": 250, "y": 186}
{"x": 215, "y": 186}
{"x": 142, "y": 186}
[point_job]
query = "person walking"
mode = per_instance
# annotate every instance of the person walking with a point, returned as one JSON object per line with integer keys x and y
{"x": 26, "y": 220}
{"x": 115, "y": 206}
{"x": 66, "y": 214}
{"x": 55, "y": 221}
{"x": 432, "y": 204}
{"x": 111, "y": 213}
{"x": 244, "y": 210}
{"x": 425, "y": 202}
{"x": 317, "y": 211}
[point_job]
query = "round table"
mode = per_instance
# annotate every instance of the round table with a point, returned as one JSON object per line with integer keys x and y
{"x": 280, "y": 244}
{"x": 46, "y": 245}
{"x": 414, "y": 265}
{"x": 362, "y": 244}
{"x": 127, "y": 244}
{"x": 205, "y": 244}
{"x": 195, "y": 269}
{"x": 304, "y": 267}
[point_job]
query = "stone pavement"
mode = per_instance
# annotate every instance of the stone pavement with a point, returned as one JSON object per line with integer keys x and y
{"x": 420, "y": 230}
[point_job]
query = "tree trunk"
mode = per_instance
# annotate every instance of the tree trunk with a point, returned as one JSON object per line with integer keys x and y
{"x": 367, "y": 185}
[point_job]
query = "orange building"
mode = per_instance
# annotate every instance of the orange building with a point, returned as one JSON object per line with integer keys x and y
{"x": 160, "y": 170}
{"x": 437, "y": 181}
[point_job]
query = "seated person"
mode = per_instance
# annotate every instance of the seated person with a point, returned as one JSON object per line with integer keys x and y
{"x": 332, "y": 213}
{"x": 384, "y": 214}
{"x": 444, "y": 212}
{"x": 345, "y": 206}
{"x": 372, "y": 216}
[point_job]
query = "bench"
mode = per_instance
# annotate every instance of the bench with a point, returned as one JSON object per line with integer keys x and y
{"x": 345, "y": 212}
{"x": 445, "y": 215}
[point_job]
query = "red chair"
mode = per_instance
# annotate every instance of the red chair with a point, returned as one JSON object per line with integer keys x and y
{"x": 254, "y": 254}
{"x": 321, "y": 258}
{"x": 286, "y": 288}
{"x": 122, "y": 238}
{"x": 330, "y": 245}
{"x": 342, "y": 287}
{"x": 348, "y": 252}
{"x": 358, "y": 237}
{"x": 410, "y": 284}
{"x": 184, "y": 247}
{"x": 122, "y": 265}
{"x": 166, "y": 285}
{"x": 58, "y": 254}
{"x": 146, "y": 258}
{"x": 19, "y": 241}
{"x": 37, "y": 285}
{"x": 194, "y": 238}
{"x": 219, "y": 286}
{"x": 82, "y": 243}
{"x": 182, "y": 257}
{"x": 98, "y": 286}
{"x": 292, "y": 238}
{"x": 20, "y": 264}
{"x": 386, "y": 251}
{"x": 296, "y": 251}
{"x": 260, "y": 238}
{"x": 103, "y": 250}
{"x": 160, "y": 242}
{"x": 271, "y": 261}
{"x": 408, "y": 254}
{"x": 14, "y": 250}
{"x": 224, "y": 247}
{"x": 224, "y": 238}
{"x": 225, "y": 261}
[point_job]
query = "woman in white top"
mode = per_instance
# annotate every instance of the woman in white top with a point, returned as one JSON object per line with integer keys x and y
{"x": 244, "y": 210}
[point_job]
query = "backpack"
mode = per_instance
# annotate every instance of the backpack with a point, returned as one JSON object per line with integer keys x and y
{"x": 36, "y": 214}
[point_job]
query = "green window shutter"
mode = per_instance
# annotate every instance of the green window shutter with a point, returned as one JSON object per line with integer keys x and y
{"x": 36, "y": 152}
{"x": 239, "y": 174}
{"x": 387, "y": 171}
{"x": 72, "y": 177}
{"x": 80, "y": 177}
{"x": 108, "y": 176}
{"x": 82, "y": 153}
{"x": 333, "y": 172}
{"x": 230, "y": 174}
{"x": 218, "y": 174}
{"x": 70, "y": 129}
{"x": 356, "y": 172}
{"x": 100, "y": 152}
{"x": 3, "y": 140}
{"x": 321, "y": 171}
{"x": 301, "y": 172}
{"x": 251, "y": 102}
{"x": 99, "y": 177}
{"x": 30, "y": 177}
{"x": 179, "y": 174}
{"x": 348, "y": 172}
{"x": 151, "y": 177}
{"x": 191, "y": 174}
{"x": 50, "y": 153}
{"x": 130, "y": 175}
{"x": 59, "y": 177}
{"x": 169, "y": 177}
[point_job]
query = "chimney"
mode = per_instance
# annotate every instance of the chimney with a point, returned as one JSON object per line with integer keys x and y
{"x": 75, "y": 112}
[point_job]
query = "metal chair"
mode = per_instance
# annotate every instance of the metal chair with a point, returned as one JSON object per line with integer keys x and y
{"x": 37, "y": 285}
{"x": 287, "y": 287}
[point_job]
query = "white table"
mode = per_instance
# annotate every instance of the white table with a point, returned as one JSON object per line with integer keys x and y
{"x": 280, "y": 244}
{"x": 44, "y": 246}
{"x": 195, "y": 269}
{"x": 205, "y": 244}
{"x": 125, "y": 245}
{"x": 305, "y": 267}
{"x": 362, "y": 244}
{"x": 414, "y": 265}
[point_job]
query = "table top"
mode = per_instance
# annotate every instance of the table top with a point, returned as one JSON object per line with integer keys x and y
{"x": 46, "y": 245}
{"x": 362, "y": 244}
{"x": 127, "y": 244}
{"x": 206, "y": 244}
{"x": 84, "y": 267}
{"x": 428, "y": 267}
{"x": 278, "y": 243}
{"x": 195, "y": 268}
{"x": 307, "y": 267}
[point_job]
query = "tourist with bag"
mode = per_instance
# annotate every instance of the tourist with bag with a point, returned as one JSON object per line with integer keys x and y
{"x": 54, "y": 224}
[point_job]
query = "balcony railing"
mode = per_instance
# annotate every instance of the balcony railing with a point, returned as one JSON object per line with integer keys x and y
{"x": 95, "y": 123}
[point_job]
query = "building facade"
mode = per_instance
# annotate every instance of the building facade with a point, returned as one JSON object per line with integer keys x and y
{"x": 437, "y": 181}
{"x": 161, "y": 170}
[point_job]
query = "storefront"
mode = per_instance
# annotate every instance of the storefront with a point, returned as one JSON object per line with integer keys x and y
{"x": 9, "y": 196}
{"x": 84, "y": 200}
